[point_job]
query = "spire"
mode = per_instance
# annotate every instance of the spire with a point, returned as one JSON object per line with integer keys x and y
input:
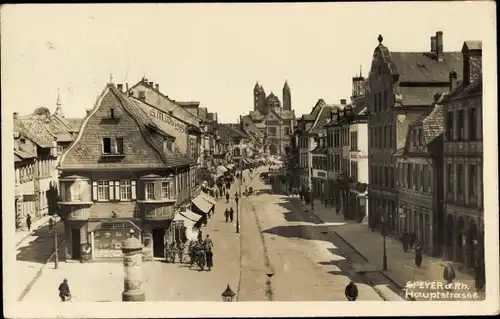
{"x": 58, "y": 102}
{"x": 360, "y": 71}
{"x": 59, "y": 110}
{"x": 111, "y": 78}
{"x": 257, "y": 85}
{"x": 286, "y": 85}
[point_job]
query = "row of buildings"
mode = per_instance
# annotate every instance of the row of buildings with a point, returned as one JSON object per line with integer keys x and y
{"x": 406, "y": 152}
{"x": 136, "y": 160}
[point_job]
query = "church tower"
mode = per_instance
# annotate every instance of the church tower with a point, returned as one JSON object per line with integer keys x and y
{"x": 287, "y": 97}
{"x": 59, "y": 111}
{"x": 358, "y": 85}
{"x": 256, "y": 97}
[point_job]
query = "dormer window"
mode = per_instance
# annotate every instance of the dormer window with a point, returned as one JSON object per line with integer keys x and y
{"x": 167, "y": 145}
{"x": 22, "y": 140}
{"x": 112, "y": 113}
{"x": 112, "y": 146}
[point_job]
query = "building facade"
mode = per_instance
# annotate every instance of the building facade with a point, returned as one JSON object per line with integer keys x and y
{"x": 419, "y": 170}
{"x": 463, "y": 162}
{"x": 35, "y": 157}
{"x": 124, "y": 171}
{"x": 274, "y": 121}
{"x": 401, "y": 86}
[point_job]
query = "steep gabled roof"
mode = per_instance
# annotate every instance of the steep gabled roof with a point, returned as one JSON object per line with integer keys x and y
{"x": 464, "y": 90}
{"x": 145, "y": 124}
{"x": 35, "y": 130}
{"x": 322, "y": 118}
{"x": 424, "y": 67}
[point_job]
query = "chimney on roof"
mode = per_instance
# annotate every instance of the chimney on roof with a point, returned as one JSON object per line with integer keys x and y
{"x": 151, "y": 84}
{"x": 472, "y": 57}
{"x": 157, "y": 87}
{"x": 16, "y": 115}
{"x": 433, "y": 44}
{"x": 439, "y": 46}
{"x": 453, "y": 80}
{"x": 120, "y": 87}
{"x": 343, "y": 101}
{"x": 88, "y": 111}
{"x": 126, "y": 86}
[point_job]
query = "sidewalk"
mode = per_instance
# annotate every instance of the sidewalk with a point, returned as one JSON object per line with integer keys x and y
{"x": 32, "y": 255}
{"x": 401, "y": 265}
{"x": 103, "y": 281}
{"x": 22, "y": 235}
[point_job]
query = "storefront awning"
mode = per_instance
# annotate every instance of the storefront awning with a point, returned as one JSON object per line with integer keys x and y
{"x": 202, "y": 204}
{"x": 221, "y": 170}
{"x": 187, "y": 217}
{"x": 208, "y": 198}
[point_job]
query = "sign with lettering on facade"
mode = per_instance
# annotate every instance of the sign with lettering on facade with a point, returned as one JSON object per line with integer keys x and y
{"x": 322, "y": 174}
{"x": 165, "y": 118}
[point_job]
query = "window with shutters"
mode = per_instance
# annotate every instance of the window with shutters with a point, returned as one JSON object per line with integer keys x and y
{"x": 150, "y": 190}
{"x": 472, "y": 119}
{"x": 418, "y": 182}
{"x": 450, "y": 176}
{"x": 165, "y": 190}
{"x": 125, "y": 190}
{"x": 423, "y": 177}
{"x": 103, "y": 190}
{"x": 460, "y": 179}
{"x": 112, "y": 146}
{"x": 409, "y": 176}
{"x": 461, "y": 125}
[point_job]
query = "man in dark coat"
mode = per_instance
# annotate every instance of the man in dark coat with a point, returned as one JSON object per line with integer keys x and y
{"x": 200, "y": 235}
{"x": 480, "y": 276}
{"x": 28, "y": 222}
{"x": 231, "y": 214}
{"x": 404, "y": 240}
{"x": 226, "y": 214}
{"x": 227, "y": 197}
{"x": 351, "y": 291}
{"x": 449, "y": 273}
{"x": 209, "y": 255}
{"x": 418, "y": 255}
{"x": 51, "y": 223}
{"x": 64, "y": 292}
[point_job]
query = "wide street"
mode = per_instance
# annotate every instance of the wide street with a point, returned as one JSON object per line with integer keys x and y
{"x": 279, "y": 255}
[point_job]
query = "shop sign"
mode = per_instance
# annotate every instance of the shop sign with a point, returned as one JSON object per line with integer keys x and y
{"x": 165, "y": 118}
{"x": 321, "y": 174}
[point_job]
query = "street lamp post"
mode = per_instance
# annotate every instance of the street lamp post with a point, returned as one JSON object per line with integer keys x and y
{"x": 56, "y": 254}
{"x": 384, "y": 235}
{"x": 228, "y": 294}
{"x": 237, "y": 199}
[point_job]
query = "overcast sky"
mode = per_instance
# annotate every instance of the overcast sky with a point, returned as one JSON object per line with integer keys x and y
{"x": 214, "y": 53}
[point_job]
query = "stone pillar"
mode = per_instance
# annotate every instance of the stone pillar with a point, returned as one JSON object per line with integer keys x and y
{"x": 132, "y": 262}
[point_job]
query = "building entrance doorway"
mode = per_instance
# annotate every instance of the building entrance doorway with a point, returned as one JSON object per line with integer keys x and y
{"x": 75, "y": 244}
{"x": 159, "y": 242}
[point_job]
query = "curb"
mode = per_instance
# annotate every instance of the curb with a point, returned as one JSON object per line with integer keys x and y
{"x": 30, "y": 233}
{"x": 30, "y": 285}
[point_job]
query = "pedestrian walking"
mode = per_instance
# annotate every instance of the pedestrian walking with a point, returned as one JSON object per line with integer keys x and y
{"x": 404, "y": 240}
{"x": 200, "y": 235}
{"x": 220, "y": 192}
{"x": 418, "y": 255}
{"x": 226, "y": 214}
{"x": 227, "y": 197}
{"x": 449, "y": 273}
{"x": 64, "y": 292}
{"x": 412, "y": 239}
{"x": 480, "y": 276}
{"x": 51, "y": 224}
{"x": 208, "y": 242}
{"x": 28, "y": 222}
{"x": 351, "y": 291}
{"x": 337, "y": 209}
{"x": 209, "y": 255}
{"x": 325, "y": 199}
{"x": 231, "y": 214}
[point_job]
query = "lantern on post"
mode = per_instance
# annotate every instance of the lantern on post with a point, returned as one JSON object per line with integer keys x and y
{"x": 228, "y": 294}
